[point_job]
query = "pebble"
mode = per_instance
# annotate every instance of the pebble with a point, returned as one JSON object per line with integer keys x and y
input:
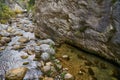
{"x": 66, "y": 57}
{"x": 65, "y": 69}
{"x": 68, "y": 76}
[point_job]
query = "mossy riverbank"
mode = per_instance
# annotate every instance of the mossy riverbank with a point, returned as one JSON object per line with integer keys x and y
{"x": 86, "y": 67}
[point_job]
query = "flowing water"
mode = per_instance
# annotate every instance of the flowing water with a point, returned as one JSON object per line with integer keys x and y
{"x": 11, "y": 57}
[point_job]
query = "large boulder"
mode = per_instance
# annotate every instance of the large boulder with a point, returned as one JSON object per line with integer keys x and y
{"x": 16, "y": 74}
{"x": 92, "y": 25}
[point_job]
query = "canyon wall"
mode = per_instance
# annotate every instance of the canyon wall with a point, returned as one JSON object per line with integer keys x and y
{"x": 92, "y": 25}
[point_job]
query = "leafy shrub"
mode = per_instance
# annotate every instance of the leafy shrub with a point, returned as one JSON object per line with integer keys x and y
{"x": 5, "y": 13}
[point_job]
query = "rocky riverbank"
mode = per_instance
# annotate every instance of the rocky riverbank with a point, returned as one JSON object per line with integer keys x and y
{"x": 23, "y": 56}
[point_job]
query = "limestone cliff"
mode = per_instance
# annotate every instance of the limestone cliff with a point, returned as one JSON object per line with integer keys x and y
{"x": 92, "y": 25}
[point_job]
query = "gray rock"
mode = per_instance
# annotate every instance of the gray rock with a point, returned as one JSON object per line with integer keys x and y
{"x": 45, "y": 56}
{"x": 91, "y": 25}
{"x": 47, "y": 48}
{"x": 47, "y": 41}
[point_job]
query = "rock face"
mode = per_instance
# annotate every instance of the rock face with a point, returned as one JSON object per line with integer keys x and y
{"x": 92, "y": 25}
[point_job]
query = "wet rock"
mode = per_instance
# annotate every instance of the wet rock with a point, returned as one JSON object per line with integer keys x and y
{"x": 33, "y": 74}
{"x": 5, "y": 39}
{"x": 29, "y": 52}
{"x": 23, "y": 40}
{"x": 45, "y": 56}
{"x": 24, "y": 56}
{"x": 25, "y": 63}
{"x": 16, "y": 47}
{"x": 5, "y": 33}
{"x": 16, "y": 74}
{"x": 18, "y": 34}
{"x": 2, "y": 48}
{"x": 68, "y": 76}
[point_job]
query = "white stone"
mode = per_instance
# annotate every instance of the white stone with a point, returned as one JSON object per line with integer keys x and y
{"x": 29, "y": 35}
{"x": 47, "y": 48}
{"x": 47, "y": 41}
{"x": 68, "y": 76}
{"x": 45, "y": 56}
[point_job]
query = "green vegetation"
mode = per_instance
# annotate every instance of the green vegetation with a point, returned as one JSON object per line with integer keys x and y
{"x": 5, "y": 13}
{"x": 31, "y": 4}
